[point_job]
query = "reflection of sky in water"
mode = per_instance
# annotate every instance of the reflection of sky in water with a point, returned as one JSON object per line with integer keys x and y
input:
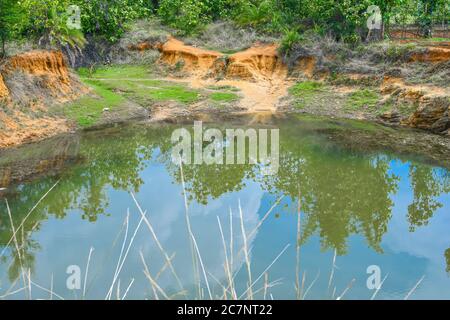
{"x": 406, "y": 258}
{"x": 68, "y": 241}
{"x": 407, "y": 255}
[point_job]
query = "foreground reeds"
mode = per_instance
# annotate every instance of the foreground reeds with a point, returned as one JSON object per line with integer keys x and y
{"x": 207, "y": 286}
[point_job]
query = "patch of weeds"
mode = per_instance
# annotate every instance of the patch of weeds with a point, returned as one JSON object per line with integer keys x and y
{"x": 399, "y": 52}
{"x": 364, "y": 98}
{"x": 342, "y": 79}
{"x": 306, "y": 91}
{"x": 140, "y": 88}
{"x": 88, "y": 110}
{"x": 223, "y": 96}
{"x": 127, "y": 86}
{"x": 401, "y": 107}
{"x": 289, "y": 40}
{"x": 306, "y": 88}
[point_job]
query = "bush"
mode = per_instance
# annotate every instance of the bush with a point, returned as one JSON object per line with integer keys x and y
{"x": 109, "y": 18}
{"x": 256, "y": 15}
{"x": 289, "y": 40}
{"x": 189, "y": 16}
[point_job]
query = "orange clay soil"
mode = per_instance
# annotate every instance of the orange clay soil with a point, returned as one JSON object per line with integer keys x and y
{"x": 4, "y": 92}
{"x": 20, "y": 128}
{"x": 258, "y": 72}
{"x": 48, "y": 66}
{"x": 432, "y": 54}
{"x": 195, "y": 60}
{"x": 49, "y": 71}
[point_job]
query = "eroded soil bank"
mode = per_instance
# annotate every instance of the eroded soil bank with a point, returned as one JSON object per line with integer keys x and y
{"x": 30, "y": 84}
{"x": 408, "y": 86}
{"x": 403, "y": 84}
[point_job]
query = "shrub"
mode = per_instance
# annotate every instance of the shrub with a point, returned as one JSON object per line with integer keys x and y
{"x": 289, "y": 40}
{"x": 185, "y": 15}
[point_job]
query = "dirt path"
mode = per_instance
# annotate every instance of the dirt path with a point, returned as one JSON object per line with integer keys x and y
{"x": 260, "y": 96}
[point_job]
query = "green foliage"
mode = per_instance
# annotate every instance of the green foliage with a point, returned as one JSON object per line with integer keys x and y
{"x": 289, "y": 40}
{"x": 256, "y": 14}
{"x": 189, "y": 16}
{"x": 183, "y": 15}
{"x": 11, "y": 19}
{"x": 47, "y": 21}
{"x": 109, "y": 18}
{"x": 399, "y": 52}
{"x": 344, "y": 20}
{"x": 115, "y": 72}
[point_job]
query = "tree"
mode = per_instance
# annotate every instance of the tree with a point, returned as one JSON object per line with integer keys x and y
{"x": 109, "y": 18}
{"x": 10, "y": 21}
{"x": 427, "y": 8}
{"x": 48, "y": 23}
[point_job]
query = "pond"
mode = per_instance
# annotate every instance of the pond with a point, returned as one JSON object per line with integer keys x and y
{"x": 342, "y": 213}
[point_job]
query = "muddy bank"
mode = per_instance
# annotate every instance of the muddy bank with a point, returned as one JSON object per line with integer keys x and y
{"x": 44, "y": 158}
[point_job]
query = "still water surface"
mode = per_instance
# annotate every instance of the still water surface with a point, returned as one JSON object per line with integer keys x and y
{"x": 359, "y": 207}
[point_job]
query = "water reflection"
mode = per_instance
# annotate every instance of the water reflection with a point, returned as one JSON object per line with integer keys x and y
{"x": 342, "y": 193}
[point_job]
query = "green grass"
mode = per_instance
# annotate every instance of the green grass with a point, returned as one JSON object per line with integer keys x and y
{"x": 438, "y": 39}
{"x": 116, "y": 84}
{"x": 306, "y": 91}
{"x": 223, "y": 96}
{"x": 364, "y": 98}
{"x": 306, "y": 88}
{"x": 174, "y": 92}
{"x": 116, "y": 72}
{"x": 88, "y": 110}
{"x": 136, "y": 84}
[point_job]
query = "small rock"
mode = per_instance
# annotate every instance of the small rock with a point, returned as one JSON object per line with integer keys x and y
{"x": 105, "y": 109}
{"x": 390, "y": 116}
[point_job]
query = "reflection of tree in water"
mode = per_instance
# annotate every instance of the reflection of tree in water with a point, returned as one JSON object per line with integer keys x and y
{"x": 447, "y": 260}
{"x": 110, "y": 159}
{"x": 212, "y": 181}
{"x": 342, "y": 193}
{"x": 427, "y": 184}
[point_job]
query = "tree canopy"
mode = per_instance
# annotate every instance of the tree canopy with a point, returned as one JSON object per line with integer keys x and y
{"x": 45, "y": 20}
